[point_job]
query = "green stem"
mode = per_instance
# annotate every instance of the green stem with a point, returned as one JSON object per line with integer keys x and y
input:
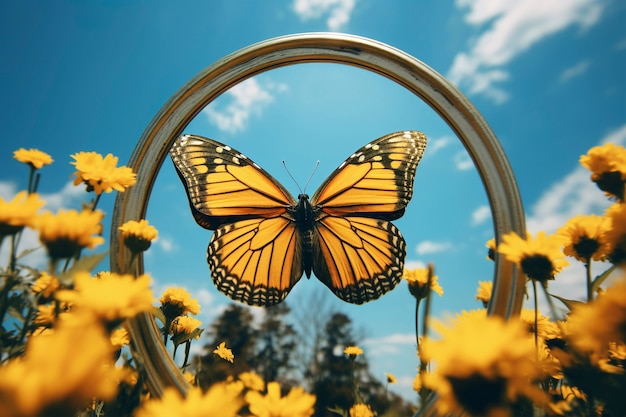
{"x": 536, "y": 296}
{"x": 589, "y": 280}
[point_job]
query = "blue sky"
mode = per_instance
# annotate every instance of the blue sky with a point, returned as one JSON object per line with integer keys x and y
{"x": 548, "y": 76}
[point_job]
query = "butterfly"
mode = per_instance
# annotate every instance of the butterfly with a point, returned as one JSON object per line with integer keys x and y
{"x": 264, "y": 239}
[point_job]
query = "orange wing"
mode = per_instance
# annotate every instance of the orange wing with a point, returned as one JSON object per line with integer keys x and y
{"x": 255, "y": 253}
{"x": 358, "y": 253}
{"x": 224, "y": 185}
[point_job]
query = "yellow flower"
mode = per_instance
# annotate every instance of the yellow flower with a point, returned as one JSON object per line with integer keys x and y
{"x": 540, "y": 259}
{"x": 616, "y": 233}
{"x": 190, "y": 378}
{"x": 45, "y": 285}
{"x": 390, "y": 378}
{"x": 102, "y": 174}
{"x": 584, "y": 237}
{"x": 607, "y": 164}
{"x": 65, "y": 233}
{"x": 110, "y": 300}
{"x": 46, "y": 314}
{"x": 138, "y": 236}
{"x": 418, "y": 279}
{"x": 417, "y": 383}
{"x": 19, "y": 212}
{"x": 546, "y": 329}
{"x": 120, "y": 338}
{"x": 296, "y": 403}
{"x": 219, "y": 401}
{"x": 33, "y": 157}
{"x": 252, "y": 380}
{"x": 484, "y": 291}
{"x": 491, "y": 245}
{"x": 184, "y": 325}
{"x": 486, "y": 355}
{"x": 223, "y": 352}
{"x": 353, "y": 351}
{"x": 59, "y": 374}
{"x": 177, "y": 302}
{"x": 361, "y": 410}
{"x": 595, "y": 325}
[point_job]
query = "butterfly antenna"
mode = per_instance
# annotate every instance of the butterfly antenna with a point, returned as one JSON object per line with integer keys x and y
{"x": 292, "y": 178}
{"x": 317, "y": 164}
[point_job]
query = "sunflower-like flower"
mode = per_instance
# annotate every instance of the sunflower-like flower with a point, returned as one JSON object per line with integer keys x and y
{"x": 45, "y": 285}
{"x": 297, "y": 402}
{"x": 418, "y": 281}
{"x": 101, "y": 174}
{"x": 352, "y": 351}
{"x": 607, "y": 164}
{"x": 252, "y": 380}
{"x": 223, "y": 352}
{"x": 60, "y": 373}
{"x": 540, "y": 258}
{"x": 491, "y": 249}
{"x": 485, "y": 355}
{"x": 584, "y": 237}
{"x": 483, "y": 293}
{"x": 185, "y": 325}
{"x": 64, "y": 234}
{"x": 221, "y": 400}
{"x": 109, "y": 300}
{"x": 33, "y": 157}
{"x": 138, "y": 236}
{"x": 391, "y": 379}
{"x": 120, "y": 338}
{"x": 177, "y": 302}
{"x": 616, "y": 233}
{"x": 361, "y": 410}
{"x": 596, "y": 324}
{"x": 21, "y": 211}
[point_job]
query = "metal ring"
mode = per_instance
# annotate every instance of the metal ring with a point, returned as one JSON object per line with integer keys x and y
{"x": 470, "y": 127}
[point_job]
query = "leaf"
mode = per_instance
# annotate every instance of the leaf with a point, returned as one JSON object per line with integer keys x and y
{"x": 568, "y": 303}
{"x": 84, "y": 264}
{"x": 27, "y": 252}
{"x": 595, "y": 285}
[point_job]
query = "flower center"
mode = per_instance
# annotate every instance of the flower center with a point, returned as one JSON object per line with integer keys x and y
{"x": 586, "y": 247}
{"x": 478, "y": 394}
{"x": 538, "y": 267}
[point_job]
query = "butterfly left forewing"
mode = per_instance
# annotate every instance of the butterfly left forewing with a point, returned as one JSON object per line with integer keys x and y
{"x": 223, "y": 185}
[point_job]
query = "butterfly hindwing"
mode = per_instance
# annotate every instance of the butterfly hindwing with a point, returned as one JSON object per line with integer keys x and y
{"x": 256, "y": 261}
{"x": 358, "y": 258}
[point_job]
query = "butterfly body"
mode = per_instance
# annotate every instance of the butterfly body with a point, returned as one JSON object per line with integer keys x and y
{"x": 265, "y": 239}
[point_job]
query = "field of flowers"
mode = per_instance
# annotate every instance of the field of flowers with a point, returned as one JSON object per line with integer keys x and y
{"x": 65, "y": 350}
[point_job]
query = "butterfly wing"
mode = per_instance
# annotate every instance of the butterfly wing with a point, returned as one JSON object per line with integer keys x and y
{"x": 255, "y": 255}
{"x": 358, "y": 253}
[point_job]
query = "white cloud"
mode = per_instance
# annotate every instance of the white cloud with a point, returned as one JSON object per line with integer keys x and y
{"x": 574, "y": 71}
{"x": 388, "y": 345}
{"x": 462, "y": 161}
{"x": 510, "y": 29}
{"x": 436, "y": 144}
{"x": 166, "y": 244}
{"x": 480, "y": 215}
{"x": 428, "y": 247}
{"x": 247, "y": 98}
{"x": 338, "y": 11}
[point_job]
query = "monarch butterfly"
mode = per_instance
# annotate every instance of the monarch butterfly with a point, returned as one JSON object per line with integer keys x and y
{"x": 265, "y": 239}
